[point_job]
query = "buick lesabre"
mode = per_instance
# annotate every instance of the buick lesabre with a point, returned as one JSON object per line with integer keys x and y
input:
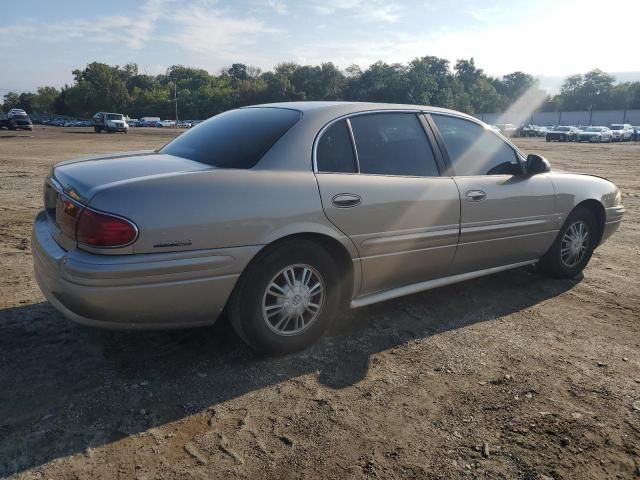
{"x": 281, "y": 214}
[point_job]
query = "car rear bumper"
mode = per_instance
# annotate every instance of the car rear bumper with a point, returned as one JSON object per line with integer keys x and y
{"x": 613, "y": 219}
{"x": 141, "y": 291}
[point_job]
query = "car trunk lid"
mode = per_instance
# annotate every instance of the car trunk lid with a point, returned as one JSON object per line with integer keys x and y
{"x": 72, "y": 184}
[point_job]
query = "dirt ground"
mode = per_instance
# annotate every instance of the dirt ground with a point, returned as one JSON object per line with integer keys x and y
{"x": 509, "y": 376}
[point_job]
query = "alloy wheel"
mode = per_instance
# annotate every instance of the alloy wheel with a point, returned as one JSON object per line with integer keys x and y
{"x": 293, "y": 299}
{"x": 575, "y": 243}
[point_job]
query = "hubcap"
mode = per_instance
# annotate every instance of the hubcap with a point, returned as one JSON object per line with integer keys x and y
{"x": 574, "y": 244}
{"x": 293, "y": 299}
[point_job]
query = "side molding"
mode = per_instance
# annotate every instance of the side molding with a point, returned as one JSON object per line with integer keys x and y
{"x": 429, "y": 284}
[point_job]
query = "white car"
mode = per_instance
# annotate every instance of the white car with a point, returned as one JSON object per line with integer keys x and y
{"x": 595, "y": 134}
{"x": 507, "y": 129}
{"x": 621, "y": 132}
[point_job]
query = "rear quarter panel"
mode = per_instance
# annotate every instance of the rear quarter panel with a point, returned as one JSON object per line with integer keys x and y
{"x": 219, "y": 208}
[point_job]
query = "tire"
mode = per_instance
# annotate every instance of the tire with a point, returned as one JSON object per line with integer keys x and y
{"x": 260, "y": 318}
{"x": 548, "y": 139}
{"x": 557, "y": 262}
{"x": 97, "y": 129}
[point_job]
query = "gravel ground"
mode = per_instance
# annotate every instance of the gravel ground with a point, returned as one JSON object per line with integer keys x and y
{"x": 508, "y": 376}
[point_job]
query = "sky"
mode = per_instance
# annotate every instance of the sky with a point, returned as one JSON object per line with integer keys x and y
{"x": 43, "y": 41}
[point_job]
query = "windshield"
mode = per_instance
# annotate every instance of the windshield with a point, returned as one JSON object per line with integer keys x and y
{"x": 616, "y": 127}
{"x": 114, "y": 116}
{"x": 562, "y": 129}
{"x": 234, "y": 139}
{"x": 593, "y": 129}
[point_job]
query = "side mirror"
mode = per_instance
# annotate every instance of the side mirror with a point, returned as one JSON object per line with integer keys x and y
{"x": 537, "y": 164}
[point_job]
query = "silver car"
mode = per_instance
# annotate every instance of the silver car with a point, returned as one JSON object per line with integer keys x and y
{"x": 281, "y": 214}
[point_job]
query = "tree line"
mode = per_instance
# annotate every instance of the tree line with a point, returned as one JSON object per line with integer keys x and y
{"x": 426, "y": 80}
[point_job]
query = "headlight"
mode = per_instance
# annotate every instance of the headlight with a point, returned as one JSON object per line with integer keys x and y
{"x": 618, "y": 199}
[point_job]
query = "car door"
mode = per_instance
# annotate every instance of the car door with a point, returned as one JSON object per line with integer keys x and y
{"x": 506, "y": 215}
{"x": 380, "y": 184}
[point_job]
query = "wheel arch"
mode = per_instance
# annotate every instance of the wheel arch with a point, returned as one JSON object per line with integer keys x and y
{"x": 597, "y": 209}
{"x": 348, "y": 268}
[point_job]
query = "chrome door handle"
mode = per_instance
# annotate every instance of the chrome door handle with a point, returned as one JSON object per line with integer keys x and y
{"x": 475, "y": 195}
{"x": 346, "y": 200}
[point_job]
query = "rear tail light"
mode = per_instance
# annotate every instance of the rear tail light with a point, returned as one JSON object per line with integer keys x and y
{"x": 99, "y": 229}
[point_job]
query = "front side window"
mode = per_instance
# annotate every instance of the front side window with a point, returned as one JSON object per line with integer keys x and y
{"x": 234, "y": 139}
{"x": 393, "y": 144}
{"x": 334, "y": 151}
{"x": 474, "y": 150}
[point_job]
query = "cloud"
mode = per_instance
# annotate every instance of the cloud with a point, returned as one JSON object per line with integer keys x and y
{"x": 205, "y": 28}
{"x": 368, "y": 11}
{"x": 132, "y": 30}
{"x": 278, "y": 6}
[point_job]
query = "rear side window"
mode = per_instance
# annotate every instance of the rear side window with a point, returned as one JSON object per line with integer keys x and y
{"x": 393, "y": 144}
{"x": 234, "y": 139}
{"x": 473, "y": 150}
{"x": 335, "y": 152}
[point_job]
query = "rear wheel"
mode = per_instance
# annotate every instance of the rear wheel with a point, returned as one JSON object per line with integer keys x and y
{"x": 286, "y": 298}
{"x": 573, "y": 247}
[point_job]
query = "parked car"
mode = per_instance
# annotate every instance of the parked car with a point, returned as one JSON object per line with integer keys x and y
{"x": 110, "y": 122}
{"x": 149, "y": 121}
{"x": 636, "y": 133}
{"x": 507, "y": 129}
{"x": 595, "y": 134}
{"x": 380, "y": 210}
{"x": 528, "y": 130}
{"x": 621, "y": 132}
{"x": 563, "y": 133}
{"x": 165, "y": 123}
{"x": 15, "y": 119}
{"x": 542, "y": 132}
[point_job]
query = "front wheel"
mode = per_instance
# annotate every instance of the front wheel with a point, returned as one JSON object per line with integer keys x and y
{"x": 286, "y": 298}
{"x": 573, "y": 247}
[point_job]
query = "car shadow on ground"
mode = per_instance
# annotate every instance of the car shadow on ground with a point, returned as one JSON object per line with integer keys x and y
{"x": 66, "y": 388}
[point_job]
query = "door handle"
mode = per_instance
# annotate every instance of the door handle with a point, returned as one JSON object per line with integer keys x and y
{"x": 346, "y": 200}
{"x": 475, "y": 195}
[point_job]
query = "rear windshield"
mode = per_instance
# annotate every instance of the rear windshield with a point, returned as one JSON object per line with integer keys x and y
{"x": 234, "y": 139}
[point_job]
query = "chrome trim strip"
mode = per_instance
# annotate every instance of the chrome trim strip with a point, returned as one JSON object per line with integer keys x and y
{"x": 430, "y": 284}
{"x": 408, "y": 237}
{"x": 507, "y": 237}
{"x": 353, "y": 145}
{"x": 405, "y": 252}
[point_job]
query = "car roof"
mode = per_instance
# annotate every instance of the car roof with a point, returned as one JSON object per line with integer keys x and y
{"x": 345, "y": 107}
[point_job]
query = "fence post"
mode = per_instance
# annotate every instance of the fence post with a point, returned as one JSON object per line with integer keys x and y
{"x": 560, "y": 118}
{"x": 624, "y": 116}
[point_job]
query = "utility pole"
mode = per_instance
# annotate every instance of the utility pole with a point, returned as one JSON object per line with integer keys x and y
{"x": 175, "y": 97}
